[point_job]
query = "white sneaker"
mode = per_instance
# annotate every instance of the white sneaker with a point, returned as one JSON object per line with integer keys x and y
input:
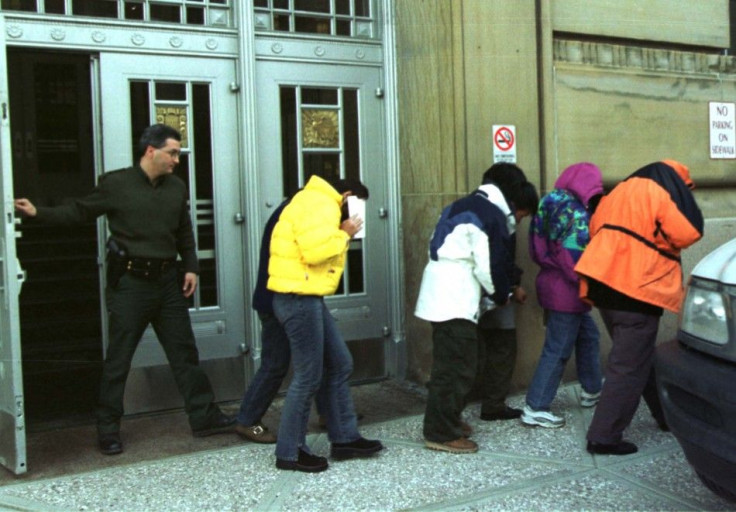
{"x": 541, "y": 418}
{"x": 589, "y": 399}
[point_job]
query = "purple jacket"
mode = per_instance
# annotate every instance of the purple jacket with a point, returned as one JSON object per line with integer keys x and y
{"x": 558, "y": 234}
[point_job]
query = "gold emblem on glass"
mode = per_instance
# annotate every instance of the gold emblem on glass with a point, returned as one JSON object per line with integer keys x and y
{"x": 176, "y": 117}
{"x": 320, "y": 128}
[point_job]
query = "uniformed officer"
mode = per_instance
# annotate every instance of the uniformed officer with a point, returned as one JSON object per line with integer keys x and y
{"x": 149, "y": 222}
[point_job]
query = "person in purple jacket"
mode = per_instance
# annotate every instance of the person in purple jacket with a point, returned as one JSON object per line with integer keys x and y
{"x": 558, "y": 234}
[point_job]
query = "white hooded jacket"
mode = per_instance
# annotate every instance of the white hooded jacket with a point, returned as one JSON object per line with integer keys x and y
{"x": 461, "y": 262}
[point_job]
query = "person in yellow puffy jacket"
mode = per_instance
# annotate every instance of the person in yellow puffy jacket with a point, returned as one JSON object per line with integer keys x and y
{"x": 307, "y": 255}
{"x": 631, "y": 271}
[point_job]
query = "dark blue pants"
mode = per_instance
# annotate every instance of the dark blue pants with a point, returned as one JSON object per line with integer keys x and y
{"x": 275, "y": 359}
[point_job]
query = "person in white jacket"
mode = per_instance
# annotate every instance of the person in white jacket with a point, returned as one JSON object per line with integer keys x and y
{"x": 469, "y": 256}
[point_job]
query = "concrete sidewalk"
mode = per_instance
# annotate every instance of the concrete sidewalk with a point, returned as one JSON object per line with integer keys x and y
{"x": 517, "y": 468}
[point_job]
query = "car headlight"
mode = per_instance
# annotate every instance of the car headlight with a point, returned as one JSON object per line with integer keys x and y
{"x": 705, "y": 313}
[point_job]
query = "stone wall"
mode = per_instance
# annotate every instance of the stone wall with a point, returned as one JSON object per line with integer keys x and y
{"x": 460, "y": 72}
{"x": 621, "y": 83}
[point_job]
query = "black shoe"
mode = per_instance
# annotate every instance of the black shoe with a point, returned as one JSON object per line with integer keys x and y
{"x": 508, "y": 413}
{"x": 620, "y": 448}
{"x": 221, "y": 424}
{"x": 110, "y": 444}
{"x": 358, "y": 448}
{"x": 306, "y": 462}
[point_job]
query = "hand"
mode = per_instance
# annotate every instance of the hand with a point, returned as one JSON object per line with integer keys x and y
{"x": 190, "y": 284}
{"x": 352, "y": 225}
{"x": 25, "y": 207}
{"x": 519, "y": 295}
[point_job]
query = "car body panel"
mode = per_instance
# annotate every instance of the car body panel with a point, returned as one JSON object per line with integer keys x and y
{"x": 719, "y": 265}
{"x": 699, "y": 401}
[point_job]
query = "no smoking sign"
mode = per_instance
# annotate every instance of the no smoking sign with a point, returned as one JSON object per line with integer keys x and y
{"x": 504, "y": 143}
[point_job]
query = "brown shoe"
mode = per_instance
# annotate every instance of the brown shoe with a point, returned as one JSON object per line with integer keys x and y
{"x": 467, "y": 429}
{"x": 257, "y": 433}
{"x": 460, "y": 445}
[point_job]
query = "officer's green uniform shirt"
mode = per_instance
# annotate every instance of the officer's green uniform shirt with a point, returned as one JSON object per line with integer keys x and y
{"x": 150, "y": 219}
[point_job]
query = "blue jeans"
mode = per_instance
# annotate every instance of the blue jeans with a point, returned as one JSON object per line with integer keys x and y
{"x": 565, "y": 332}
{"x": 275, "y": 358}
{"x": 316, "y": 347}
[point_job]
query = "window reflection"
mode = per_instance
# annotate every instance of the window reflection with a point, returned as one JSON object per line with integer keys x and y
{"x": 99, "y": 8}
{"x": 347, "y": 18}
{"x": 191, "y": 115}
{"x": 320, "y": 135}
{"x": 191, "y": 12}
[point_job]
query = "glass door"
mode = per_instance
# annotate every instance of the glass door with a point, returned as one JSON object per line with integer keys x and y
{"x": 193, "y": 95}
{"x": 327, "y": 120}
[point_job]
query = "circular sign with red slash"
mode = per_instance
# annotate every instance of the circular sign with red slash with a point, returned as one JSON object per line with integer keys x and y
{"x": 504, "y": 138}
{"x": 504, "y": 143}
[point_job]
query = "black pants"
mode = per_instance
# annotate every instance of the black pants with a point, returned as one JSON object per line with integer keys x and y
{"x": 628, "y": 374}
{"x": 496, "y": 362}
{"x": 454, "y": 360}
{"x": 132, "y": 305}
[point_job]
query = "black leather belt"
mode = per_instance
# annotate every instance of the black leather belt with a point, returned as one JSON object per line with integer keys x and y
{"x": 148, "y": 267}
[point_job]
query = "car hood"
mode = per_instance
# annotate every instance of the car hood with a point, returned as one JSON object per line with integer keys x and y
{"x": 719, "y": 265}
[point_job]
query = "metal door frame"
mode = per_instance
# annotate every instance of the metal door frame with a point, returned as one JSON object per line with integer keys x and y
{"x": 12, "y": 416}
{"x": 254, "y": 46}
{"x": 224, "y": 321}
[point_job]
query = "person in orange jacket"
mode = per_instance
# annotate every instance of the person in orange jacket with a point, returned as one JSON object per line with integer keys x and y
{"x": 631, "y": 271}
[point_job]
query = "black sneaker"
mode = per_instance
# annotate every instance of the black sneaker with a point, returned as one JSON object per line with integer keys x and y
{"x": 110, "y": 444}
{"x": 359, "y": 448}
{"x": 306, "y": 462}
{"x": 507, "y": 413}
{"x": 220, "y": 424}
{"x": 620, "y": 448}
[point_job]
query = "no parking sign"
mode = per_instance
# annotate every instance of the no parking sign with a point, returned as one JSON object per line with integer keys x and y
{"x": 504, "y": 143}
{"x": 722, "y": 130}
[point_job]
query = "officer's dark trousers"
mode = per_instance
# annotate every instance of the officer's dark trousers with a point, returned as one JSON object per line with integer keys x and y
{"x": 454, "y": 362}
{"x": 132, "y": 306}
{"x": 628, "y": 370}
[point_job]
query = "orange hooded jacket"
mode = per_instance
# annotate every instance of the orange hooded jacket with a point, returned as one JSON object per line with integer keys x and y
{"x": 637, "y": 233}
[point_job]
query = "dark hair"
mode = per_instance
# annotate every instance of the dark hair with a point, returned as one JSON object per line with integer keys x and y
{"x": 528, "y": 198}
{"x": 509, "y": 178}
{"x": 353, "y": 185}
{"x": 593, "y": 203}
{"x": 156, "y": 136}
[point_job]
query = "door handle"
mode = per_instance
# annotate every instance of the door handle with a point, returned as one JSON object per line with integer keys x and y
{"x": 20, "y": 274}
{"x": 238, "y": 218}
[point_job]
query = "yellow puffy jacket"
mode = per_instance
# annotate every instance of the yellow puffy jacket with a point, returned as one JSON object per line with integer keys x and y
{"x": 308, "y": 247}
